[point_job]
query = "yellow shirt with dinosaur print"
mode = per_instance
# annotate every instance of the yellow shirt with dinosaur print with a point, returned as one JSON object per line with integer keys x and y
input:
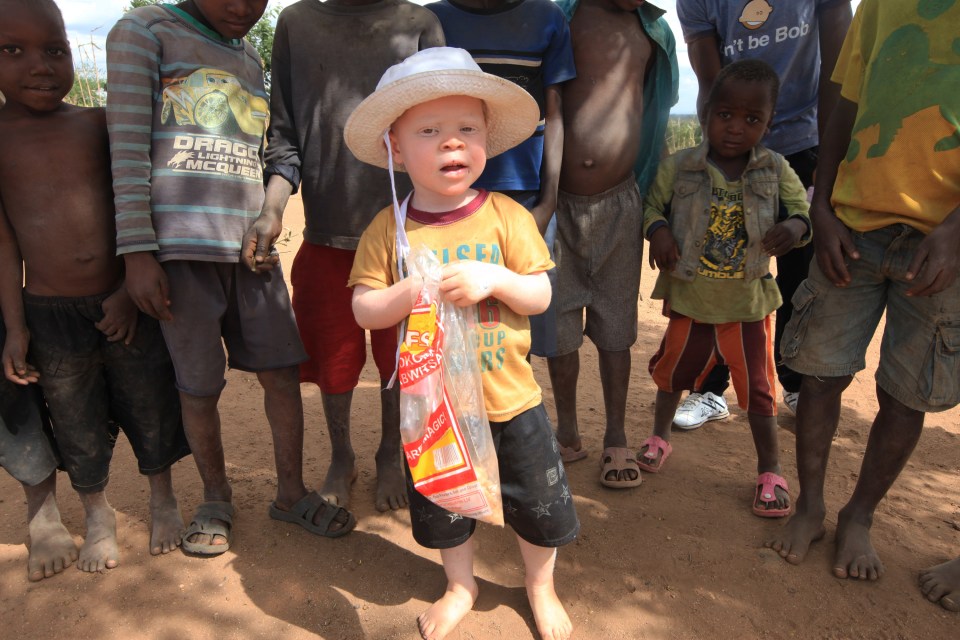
{"x": 901, "y": 64}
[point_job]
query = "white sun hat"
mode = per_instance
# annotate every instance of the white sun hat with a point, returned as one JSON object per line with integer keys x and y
{"x": 512, "y": 113}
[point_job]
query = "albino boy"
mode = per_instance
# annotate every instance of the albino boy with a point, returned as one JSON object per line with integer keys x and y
{"x": 445, "y": 117}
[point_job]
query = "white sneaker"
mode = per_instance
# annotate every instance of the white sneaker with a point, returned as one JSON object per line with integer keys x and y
{"x": 790, "y": 399}
{"x": 697, "y": 409}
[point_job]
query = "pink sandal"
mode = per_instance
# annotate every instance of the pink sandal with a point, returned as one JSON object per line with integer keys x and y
{"x": 657, "y": 447}
{"x": 766, "y": 493}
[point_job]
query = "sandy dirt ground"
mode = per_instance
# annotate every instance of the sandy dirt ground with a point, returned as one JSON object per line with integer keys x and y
{"x": 681, "y": 556}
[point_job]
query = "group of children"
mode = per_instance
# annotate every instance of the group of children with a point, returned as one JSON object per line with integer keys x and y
{"x": 171, "y": 178}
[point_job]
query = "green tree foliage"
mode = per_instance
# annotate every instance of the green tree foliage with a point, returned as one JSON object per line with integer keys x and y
{"x": 683, "y": 132}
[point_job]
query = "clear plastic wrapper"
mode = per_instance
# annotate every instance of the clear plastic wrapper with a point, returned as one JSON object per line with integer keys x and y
{"x": 443, "y": 422}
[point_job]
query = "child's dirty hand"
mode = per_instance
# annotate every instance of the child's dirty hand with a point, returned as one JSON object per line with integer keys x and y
{"x": 783, "y": 236}
{"x": 15, "y": 365}
{"x": 935, "y": 264}
{"x": 664, "y": 252}
{"x": 119, "y": 320}
{"x": 833, "y": 244}
{"x": 146, "y": 282}
{"x": 468, "y": 282}
{"x": 256, "y": 249}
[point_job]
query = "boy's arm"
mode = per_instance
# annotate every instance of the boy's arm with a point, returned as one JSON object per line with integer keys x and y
{"x": 699, "y": 28}
{"x": 282, "y": 159}
{"x": 385, "y": 308}
{"x": 133, "y": 79}
{"x": 552, "y": 158}
{"x": 282, "y": 155}
{"x": 15, "y": 366}
{"x": 935, "y": 264}
{"x": 831, "y": 238}
{"x": 704, "y": 53}
{"x": 147, "y": 284}
{"x": 833, "y": 23}
{"x": 469, "y": 281}
{"x": 119, "y": 320}
{"x": 256, "y": 249}
{"x": 794, "y": 230}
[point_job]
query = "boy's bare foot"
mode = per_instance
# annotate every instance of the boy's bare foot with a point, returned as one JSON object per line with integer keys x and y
{"x": 942, "y": 584}
{"x": 52, "y": 549}
{"x": 99, "y": 551}
{"x": 856, "y": 557}
{"x": 552, "y": 620}
{"x": 391, "y": 483}
{"x": 447, "y": 612}
{"x": 166, "y": 526}
{"x": 340, "y": 478}
{"x": 794, "y": 539}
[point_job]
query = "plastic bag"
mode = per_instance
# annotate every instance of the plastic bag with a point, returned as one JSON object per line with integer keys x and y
{"x": 443, "y": 422}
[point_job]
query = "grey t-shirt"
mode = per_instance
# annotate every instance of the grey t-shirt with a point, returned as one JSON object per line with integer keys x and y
{"x": 326, "y": 59}
{"x": 785, "y": 35}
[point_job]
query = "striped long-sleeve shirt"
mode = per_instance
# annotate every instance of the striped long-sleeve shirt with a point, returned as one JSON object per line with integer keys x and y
{"x": 186, "y": 113}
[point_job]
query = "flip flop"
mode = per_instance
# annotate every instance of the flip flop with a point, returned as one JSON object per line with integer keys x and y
{"x": 203, "y": 522}
{"x": 306, "y": 508}
{"x": 618, "y": 459}
{"x": 656, "y": 446}
{"x": 569, "y": 454}
{"x": 766, "y": 492}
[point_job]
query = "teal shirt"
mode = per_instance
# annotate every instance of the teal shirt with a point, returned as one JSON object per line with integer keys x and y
{"x": 660, "y": 91}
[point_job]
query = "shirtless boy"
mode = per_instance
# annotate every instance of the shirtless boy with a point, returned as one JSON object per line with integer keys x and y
{"x": 26, "y": 450}
{"x": 615, "y": 115}
{"x": 97, "y": 359}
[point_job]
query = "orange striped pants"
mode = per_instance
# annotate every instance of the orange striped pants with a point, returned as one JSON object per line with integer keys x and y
{"x": 690, "y": 349}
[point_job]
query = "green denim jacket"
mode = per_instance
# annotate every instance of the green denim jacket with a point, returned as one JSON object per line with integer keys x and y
{"x": 688, "y": 211}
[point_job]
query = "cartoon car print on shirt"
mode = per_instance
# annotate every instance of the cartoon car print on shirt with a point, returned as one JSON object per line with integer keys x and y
{"x": 214, "y": 100}
{"x": 755, "y": 14}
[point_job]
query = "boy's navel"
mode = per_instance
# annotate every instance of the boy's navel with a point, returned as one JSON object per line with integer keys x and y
{"x": 588, "y": 163}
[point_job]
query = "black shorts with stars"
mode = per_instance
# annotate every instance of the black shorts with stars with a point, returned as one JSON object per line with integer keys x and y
{"x": 537, "y": 501}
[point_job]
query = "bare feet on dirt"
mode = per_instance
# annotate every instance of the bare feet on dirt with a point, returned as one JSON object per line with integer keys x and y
{"x": 166, "y": 526}
{"x": 942, "y": 584}
{"x": 793, "y": 540}
{"x": 340, "y": 478}
{"x": 391, "y": 483}
{"x": 52, "y": 548}
{"x": 99, "y": 551}
{"x": 446, "y": 613}
{"x": 552, "y": 620}
{"x": 856, "y": 557}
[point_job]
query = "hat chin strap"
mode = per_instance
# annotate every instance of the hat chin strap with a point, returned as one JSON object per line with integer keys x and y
{"x": 402, "y": 243}
{"x": 399, "y": 213}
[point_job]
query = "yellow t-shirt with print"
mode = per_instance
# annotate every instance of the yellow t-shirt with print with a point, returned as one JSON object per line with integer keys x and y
{"x": 901, "y": 64}
{"x": 493, "y": 229}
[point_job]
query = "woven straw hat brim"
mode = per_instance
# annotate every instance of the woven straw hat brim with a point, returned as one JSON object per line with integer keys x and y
{"x": 512, "y": 113}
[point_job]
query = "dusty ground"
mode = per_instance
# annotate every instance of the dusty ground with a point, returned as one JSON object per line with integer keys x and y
{"x": 679, "y": 557}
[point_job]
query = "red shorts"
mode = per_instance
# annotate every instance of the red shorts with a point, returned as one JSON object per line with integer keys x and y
{"x": 690, "y": 349}
{"x": 335, "y": 343}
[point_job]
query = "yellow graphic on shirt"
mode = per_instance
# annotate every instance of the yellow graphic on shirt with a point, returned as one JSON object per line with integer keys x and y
{"x": 726, "y": 238}
{"x": 214, "y": 100}
{"x": 755, "y": 14}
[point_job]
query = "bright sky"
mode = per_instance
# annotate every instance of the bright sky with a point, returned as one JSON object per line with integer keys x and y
{"x": 90, "y": 20}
